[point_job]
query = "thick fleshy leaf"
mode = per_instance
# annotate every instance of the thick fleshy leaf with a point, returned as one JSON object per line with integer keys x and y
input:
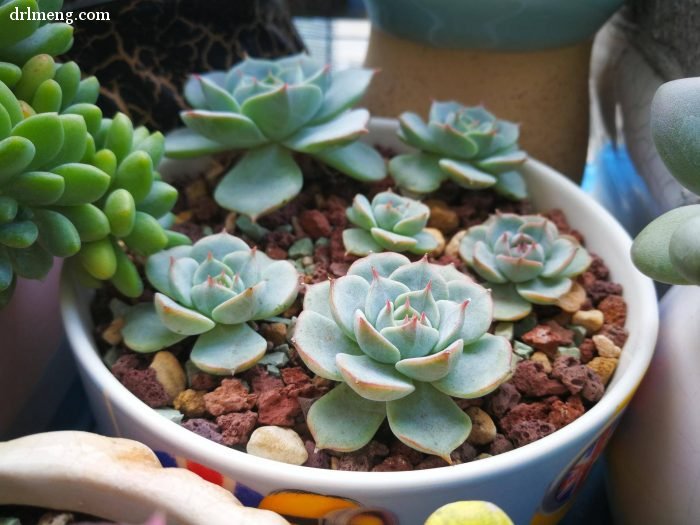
{"x": 508, "y": 304}
{"x": 479, "y": 313}
{"x": 412, "y": 338}
{"x": 453, "y": 317}
{"x": 426, "y": 242}
{"x": 432, "y": 367}
{"x": 179, "y": 319}
{"x": 185, "y": 143}
{"x": 45, "y": 131}
{"x": 415, "y": 132}
{"x": 232, "y": 130}
{"x": 193, "y": 88}
{"x": 75, "y": 140}
{"x": 423, "y": 302}
{"x": 143, "y": 331}
{"x": 209, "y": 295}
{"x": 544, "y": 291}
{"x": 582, "y": 260}
{"x": 281, "y": 291}
{"x": 57, "y": 234}
{"x": 340, "y": 131}
{"x": 211, "y": 268}
{"x": 343, "y": 421}
{"x": 347, "y": 87}
{"x": 429, "y": 421}
{"x": 511, "y": 185}
{"x": 347, "y": 295}
{"x": 684, "y": 250}
{"x": 468, "y": 243}
{"x": 503, "y": 162}
{"x": 181, "y": 277}
{"x": 126, "y": 279}
{"x": 372, "y": 343}
{"x": 16, "y": 153}
{"x": 562, "y": 253}
{"x": 383, "y": 264}
{"x": 452, "y": 142}
{"x": 466, "y": 175}
{"x": 240, "y": 308}
{"x": 360, "y": 213}
{"x": 218, "y": 245}
{"x": 88, "y": 219}
{"x": 147, "y": 237}
{"x": 98, "y": 258}
{"x": 484, "y": 262}
{"x": 18, "y": 234}
{"x": 357, "y": 160}
{"x": 160, "y": 200}
{"x": 419, "y": 274}
{"x": 228, "y": 349}
{"x": 317, "y": 299}
{"x": 373, "y": 380}
{"x": 417, "y": 172}
{"x": 381, "y": 292}
{"x": 318, "y": 340}
{"x": 360, "y": 242}
{"x": 215, "y": 97}
{"x": 393, "y": 241}
{"x": 158, "y": 267}
{"x": 262, "y": 181}
{"x": 135, "y": 174}
{"x": 518, "y": 269}
{"x": 83, "y": 183}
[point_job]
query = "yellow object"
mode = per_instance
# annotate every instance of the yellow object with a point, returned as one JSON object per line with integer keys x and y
{"x": 469, "y": 513}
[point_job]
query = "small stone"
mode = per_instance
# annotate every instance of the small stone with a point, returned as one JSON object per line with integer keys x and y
{"x": 307, "y": 261}
{"x": 505, "y": 398}
{"x": 579, "y": 333}
{"x": 170, "y": 414}
{"x": 604, "y": 367}
{"x": 531, "y": 380}
{"x": 56, "y": 518}
{"x": 591, "y": 320}
{"x": 236, "y": 427}
{"x": 617, "y": 334}
{"x": 452, "y": 248}
{"x": 440, "y": 238}
{"x": 572, "y": 300}
{"x": 124, "y": 364}
{"x": 278, "y": 408}
{"x": 525, "y": 432}
{"x": 541, "y": 357}
{"x": 504, "y": 329}
{"x": 393, "y": 464}
{"x": 230, "y": 396}
{"x": 315, "y": 224}
{"x": 605, "y": 347}
{"x": 279, "y": 444}
{"x": 571, "y": 351}
{"x": 276, "y": 333}
{"x": 274, "y": 359}
{"x": 351, "y": 463}
{"x": 399, "y": 448}
{"x": 431, "y": 462}
{"x": 261, "y": 380}
{"x": 499, "y": 445}
{"x": 562, "y": 413}
{"x": 442, "y": 217}
{"x": 522, "y": 350}
{"x": 548, "y": 337}
{"x": 483, "y": 428}
{"x": 191, "y": 403}
{"x": 302, "y": 248}
{"x": 464, "y": 453}
{"x": 113, "y": 333}
{"x": 614, "y": 309}
{"x": 317, "y": 458}
{"x": 587, "y": 349}
{"x": 250, "y": 228}
{"x": 483, "y": 455}
{"x": 169, "y": 373}
{"x": 204, "y": 428}
{"x": 144, "y": 385}
{"x": 525, "y": 325}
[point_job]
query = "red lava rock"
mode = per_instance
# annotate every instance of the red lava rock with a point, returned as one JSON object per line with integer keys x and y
{"x": 588, "y": 350}
{"x": 617, "y": 334}
{"x": 231, "y": 396}
{"x": 599, "y": 268}
{"x": 144, "y": 385}
{"x": 393, "y": 464}
{"x": 275, "y": 252}
{"x": 503, "y": 399}
{"x": 236, "y": 427}
{"x": 336, "y": 211}
{"x": 466, "y": 403}
{"x": 261, "y": 380}
{"x": 315, "y": 224}
{"x": 295, "y": 376}
{"x": 562, "y": 413}
{"x": 568, "y": 370}
{"x": 531, "y": 380}
{"x": 353, "y": 463}
{"x": 548, "y": 337}
{"x": 537, "y": 411}
{"x": 204, "y": 428}
{"x": 614, "y": 309}
{"x": 464, "y": 453}
{"x": 277, "y": 407}
{"x": 399, "y": 448}
{"x": 499, "y": 445}
{"x": 599, "y": 289}
{"x": 204, "y": 381}
{"x": 317, "y": 458}
{"x": 526, "y": 432}
{"x": 124, "y": 364}
{"x": 594, "y": 388}
{"x": 281, "y": 238}
{"x": 431, "y": 462}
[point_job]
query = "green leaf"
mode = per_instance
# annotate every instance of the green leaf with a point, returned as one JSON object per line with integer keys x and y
{"x": 9, "y": 74}
{"x": 135, "y": 174}
{"x": 45, "y": 131}
{"x": 429, "y": 421}
{"x": 263, "y": 180}
{"x": 160, "y": 200}
{"x": 228, "y": 349}
{"x": 360, "y": 242}
{"x": 451, "y": 142}
{"x": 7, "y": 275}
{"x": 372, "y": 343}
{"x": 19, "y": 234}
{"x": 90, "y": 113}
{"x": 543, "y": 290}
{"x": 357, "y": 160}
{"x": 31, "y": 263}
{"x": 8, "y": 209}
{"x": 68, "y": 77}
{"x": 126, "y": 279}
{"x": 56, "y": 233}
{"x": 16, "y": 153}
{"x": 508, "y": 304}
{"x": 684, "y": 250}
{"x": 373, "y": 380}
{"x": 11, "y": 105}
{"x": 16, "y": 30}
{"x": 48, "y": 97}
{"x": 36, "y": 188}
{"x": 511, "y": 185}
{"x": 384, "y": 264}
{"x": 466, "y": 175}
{"x": 180, "y": 319}
{"x": 417, "y": 172}
{"x": 38, "y": 69}
{"x": 217, "y": 98}
{"x": 317, "y": 299}
{"x": 120, "y": 210}
{"x": 432, "y": 367}
{"x": 154, "y": 145}
{"x": 185, "y": 143}
{"x": 147, "y": 236}
{"x": 143, "y": 332}
{"x": 53, "y": 39}
{"x": 347, "y": 88}
{"x": 338, "y": 132}
{"x": 88, "y": 91}
{"x": 502, "y": 163}
{"x": 75, "y": 140}
{"x": 233, "y": 130}
{"x": 343, "y": 421}
{"x": 89, "y": 221}
{"x": 99, "y": 259}
{"x": 281, "y": 112}
{"x": 83, "y": 183}
{"x": 348, "y": 294}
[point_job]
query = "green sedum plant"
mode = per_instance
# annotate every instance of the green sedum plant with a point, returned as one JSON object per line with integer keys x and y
{"x": 525, "y": 261}
{"x": 402, "y": 338}
{"x": 467, "y": 145}
{"x": 668, "y": 249}
{"x": 272, "y": 109}
{"x": 390, "y": 222}
{"x": 212, "y": 290}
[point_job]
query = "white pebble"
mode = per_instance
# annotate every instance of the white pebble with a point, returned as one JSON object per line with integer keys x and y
{"x": 606, "y": 347}
{"x": 280, "y": 444}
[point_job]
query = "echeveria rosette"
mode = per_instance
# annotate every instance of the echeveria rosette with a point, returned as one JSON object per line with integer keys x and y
{"x": 402, "y": 338}
{"x": 212, "y": 289}
{"x": 525, "y": 261}
{"x": 467, "y": 145}
{"x": 389, "y": 223}
{"x": 668, "y": 249}
{"x": 272, "y": 109}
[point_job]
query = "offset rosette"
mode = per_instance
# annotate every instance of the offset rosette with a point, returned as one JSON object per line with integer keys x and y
{"x": 525, "y": 261}
{"x": 402, "y": 338}
{"x": 212, "y": 290}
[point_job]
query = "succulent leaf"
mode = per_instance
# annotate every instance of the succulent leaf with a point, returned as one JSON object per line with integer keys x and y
{"x": 228, "y": 349}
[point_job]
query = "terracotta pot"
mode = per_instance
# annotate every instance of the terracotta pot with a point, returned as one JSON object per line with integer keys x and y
{"x": 533, "y": 484}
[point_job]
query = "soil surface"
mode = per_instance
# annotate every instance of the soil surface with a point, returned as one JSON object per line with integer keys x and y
{"x": 566, "y": 357}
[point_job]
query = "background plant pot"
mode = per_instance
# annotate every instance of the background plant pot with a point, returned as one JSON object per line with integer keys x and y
{"x": 654, "y": 458}
{"x": 527, "y": 61}
{"x": 532, "y": 484}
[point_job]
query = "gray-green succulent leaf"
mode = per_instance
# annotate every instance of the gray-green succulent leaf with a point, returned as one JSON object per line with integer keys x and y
{"x": 402, "y": 338}
{"x": 525, "y": 261}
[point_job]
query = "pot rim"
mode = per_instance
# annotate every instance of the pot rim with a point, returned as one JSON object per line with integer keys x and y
{"x": 226, "y": 459}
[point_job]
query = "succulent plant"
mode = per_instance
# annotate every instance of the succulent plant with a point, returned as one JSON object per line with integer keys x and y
{"x": 467, "y": 145}
{"x": 272, "y": 109}
{"x": 668, "y": 249}
{"x": 390, "y": 222}
{"x": 525, "y": 261}
{"x": 402, "y": 338}
{"x": 212, "y": 289}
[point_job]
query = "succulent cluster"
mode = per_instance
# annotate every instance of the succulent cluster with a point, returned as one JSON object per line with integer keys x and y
{"x": 668, "y": 249}
{"x": 525, "y": 261}
{"x": 273, "y": 109}
{"x": 402, "y": 338}
{"x": 390, "y": 222}
{"x": 211, "y": 290}
{"x": 467, "y": 145}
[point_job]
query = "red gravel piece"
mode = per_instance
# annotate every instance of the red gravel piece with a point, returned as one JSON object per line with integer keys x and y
{"x": 231, "y": 396}
{"x": 315, "y": 224}
{"x": 531, "y": 380}
{"x": 614, "y": 309}
{"x": 549, "y": 337}
{"x": 277, "y": 407}
{"x": 144, "y": 385}
{"x": 204, "y": 428}
{"x": 236, "y": 427}
{"x": 393, "y": 464}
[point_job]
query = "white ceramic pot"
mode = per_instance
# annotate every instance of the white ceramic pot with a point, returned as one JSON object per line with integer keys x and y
{"x": 655, "y": 458}
{"x": 533, "y": 484}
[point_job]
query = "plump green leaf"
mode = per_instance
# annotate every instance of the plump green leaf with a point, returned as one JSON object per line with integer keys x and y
{"x": 342, "y": 420}
{"x": 228, "y": 349}
{"x": 160, "y": 200}
{"x": 135, "y": 174}
{"x": 90, "y": 113}
{"x": 120, "y": 210}
{"x": 543, "y": 290}
{"x": 357, "y": 160}
{"x": 99, "y": 259}
{"x": 37, "y": 70}
{"x": 180, "y": 319}
{"x": 347, "y": 88}
{"x": 154, "y": 145}
{"x": 75, "y": 140}
{"x": 9, "y": 74}
{"x": 348, "y": 294}
{"x": 684, "y": 250}
{"x": 32, "y": 263}
{"x": 185, "y": 143}
{"x": 8, "y": 209}
{"x": 56, "y": 233}
{"x": 466, "y": 175}
{"x": 143, "y": 332}
{"x": 417, "y": 172}
{"x": 338, "y": 132}
{"x": 68, "y": 77}
{"x": 232, "y": 130}
{"x": 45, "y": 131}
{"x": 119, "y": 136}
{"x": 511, "y": 185}
{"x": 373, "y": 380}
{"x": 508, "y": 304}
{"x": 11, "y": 104}
{"x": 88, "y": 91}
{"x": 126, "y": 279}
{"x": 16, "y": 30}
{"x": 147, "y": 236}
{"x": 360, "y": 242}
{"x": 217, "y": 98}
{"x": 16, "y": 153}
{"x": 432, "y": 367}
{"x": 263, "y": 180}
{"x": 83, "y": 183}
{"x": 47, "y": 97}
{"x": 53, "y": 39}
{"x": 36, "y": 188}
{"x": 90, "y": 222}
{"x": 18, "y": 234}
{"x": 177, "y": 239}
{"x": 106, "y": 161}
